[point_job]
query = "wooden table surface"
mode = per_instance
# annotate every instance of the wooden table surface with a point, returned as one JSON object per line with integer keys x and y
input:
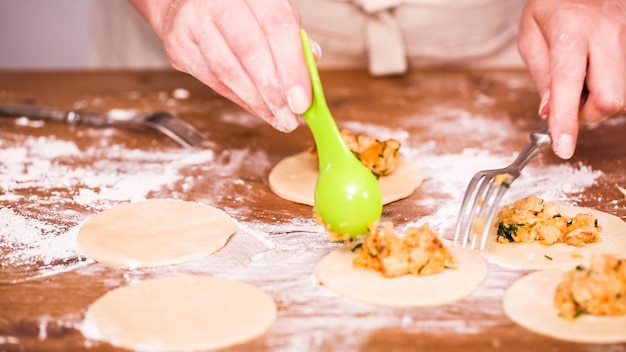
{"x": 451, "y": 123}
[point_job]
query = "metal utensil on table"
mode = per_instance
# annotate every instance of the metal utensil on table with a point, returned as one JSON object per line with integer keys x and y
{"x": 485, "y": 191}
{"x": 178, "y": 130}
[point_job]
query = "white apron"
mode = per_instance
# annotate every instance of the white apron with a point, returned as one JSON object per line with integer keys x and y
{"x": 386, "y": 36}
{"x": 389, "y": 35}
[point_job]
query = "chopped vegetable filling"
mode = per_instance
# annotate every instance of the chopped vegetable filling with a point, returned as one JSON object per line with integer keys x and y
{"x": 418, "y": 252}
{"x": 380, "y": 157}
{"x": 597, "y": 290}
{"x": 531, "y": 219}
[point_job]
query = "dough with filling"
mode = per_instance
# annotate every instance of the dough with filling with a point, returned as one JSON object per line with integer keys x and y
{"x": 155, "y": 233}
{"x": 294, "y": 179}
{"x": 180, "y": 313}
{"x": 530, "y": 303}
{"x": 337, "y": 272}
{"x": 537, "y": 256}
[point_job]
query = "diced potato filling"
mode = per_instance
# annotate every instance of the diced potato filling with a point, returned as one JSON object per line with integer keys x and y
{"x": 531, "y": 219}
{"x": 380, "y": 157}
{"x": 597, "y": 290}
{"x": 418, "y": 252}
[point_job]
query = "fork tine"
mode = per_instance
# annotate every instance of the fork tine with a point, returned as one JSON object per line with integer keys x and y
{"x": 484, "y": 192}
{"x": 464, "y": 206}
{"x": 472, "y": 196}
{"x": 480, "y": 216}
{"x": 175, "y": 128}
{"x": 483, "y": 196}
{"x": 493, "y": 208}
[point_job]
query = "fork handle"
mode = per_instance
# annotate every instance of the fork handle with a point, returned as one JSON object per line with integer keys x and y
{"x": 537, "y": 141}
{"x": 72, "y": 117}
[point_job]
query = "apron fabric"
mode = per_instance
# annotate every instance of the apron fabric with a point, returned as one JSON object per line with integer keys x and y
{"x": 385, "y": 36}
{"x": 388, "y": 36}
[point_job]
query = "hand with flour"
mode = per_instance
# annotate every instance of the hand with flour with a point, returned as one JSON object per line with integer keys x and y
{"x": 571, "y": 46}
{"x": 246, "y": 50}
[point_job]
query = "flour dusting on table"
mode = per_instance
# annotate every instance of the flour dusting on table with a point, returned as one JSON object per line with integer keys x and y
{"x": 36, "y": 176}
{"x": 261, "y": 253}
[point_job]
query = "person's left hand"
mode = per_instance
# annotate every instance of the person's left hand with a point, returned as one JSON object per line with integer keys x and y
{"x": 571, "y": 46}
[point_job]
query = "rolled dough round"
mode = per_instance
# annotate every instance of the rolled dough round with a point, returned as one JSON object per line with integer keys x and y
{"x": 529, "y": 303}
{"x": 155, "y": 233}
{"x": 294, "y": 179}
{"x": 537, "y": 256}
{"x": 181, "y": 313}
{"x": 337, "y": 272}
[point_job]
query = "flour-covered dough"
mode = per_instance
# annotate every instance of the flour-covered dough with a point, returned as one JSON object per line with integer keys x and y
{"x": 180, "y": 313}
{"x": 155, "y": 233}
{"x": 294, "y": 179}
{"x": 337, "y": 272}
{"x": 537, "y": 256}
{"x": 529, "y": 303}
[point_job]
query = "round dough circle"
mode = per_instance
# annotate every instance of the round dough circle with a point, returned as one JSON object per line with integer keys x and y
{"x": 190, "y": 312}
{"x": 536, "y": 256}
{"x": 529, "y": 303}
{"x": 155, "y": 233}
{"x": 294, "y": 179}
{"x": 337, "y": 272}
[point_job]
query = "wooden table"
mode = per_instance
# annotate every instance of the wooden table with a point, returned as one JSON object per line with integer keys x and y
{"x": 56, "y": 176}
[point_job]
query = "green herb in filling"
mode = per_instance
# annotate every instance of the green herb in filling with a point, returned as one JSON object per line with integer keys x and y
{"x": 580, "y": 312}
{"x": 423, "y": 266}
{"x": 507, "y": 231}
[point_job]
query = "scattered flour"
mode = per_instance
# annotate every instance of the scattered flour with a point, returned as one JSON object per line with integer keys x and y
{"x": 181, "y": 93}
{"x": 37, "y": 172}
{"x": 117, "y": 174}
{"x": 24, "y": 121}
{"x": 445, "y": 122}
{"x": 281, "y": 254}
{"x": 33, "y": 249}
{"x": 33, "y": 237}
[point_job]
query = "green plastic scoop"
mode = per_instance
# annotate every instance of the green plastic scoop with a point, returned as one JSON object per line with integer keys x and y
{"x": 347, "y": 195}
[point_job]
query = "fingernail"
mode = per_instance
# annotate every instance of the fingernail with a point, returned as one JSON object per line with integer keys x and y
{"x": 297, "y": 100}
{"x": 285, "y": 120}
{"x": 545, "y": 97}
{"x": 564, "y": 146}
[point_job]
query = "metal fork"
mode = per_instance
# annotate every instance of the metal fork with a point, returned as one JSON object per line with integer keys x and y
{"x": 173, "y": 127}
{"x": 485, "y": 191}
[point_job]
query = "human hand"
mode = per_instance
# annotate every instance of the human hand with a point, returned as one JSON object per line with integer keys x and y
{"x": 571, "y": 46}
{"x": 249, "y": 51}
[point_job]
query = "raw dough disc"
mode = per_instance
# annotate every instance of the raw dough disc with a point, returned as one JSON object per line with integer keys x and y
{"x": 155, "y": 233}
{"x": 294, "y": 179}
{"x": 537, "y": 256}
{"x": 181, "y": 313}
{"x": 529, "y": 303}
{"x": 337, "y": 272}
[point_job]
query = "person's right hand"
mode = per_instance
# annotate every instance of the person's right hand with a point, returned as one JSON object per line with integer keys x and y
{"x": 249, "y": 51}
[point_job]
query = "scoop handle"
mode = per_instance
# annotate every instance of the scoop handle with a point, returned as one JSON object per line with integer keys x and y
{"x": 325, "y": 131}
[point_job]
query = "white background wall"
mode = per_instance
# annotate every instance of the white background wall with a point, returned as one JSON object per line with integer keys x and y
{"x": 41, "y": 34}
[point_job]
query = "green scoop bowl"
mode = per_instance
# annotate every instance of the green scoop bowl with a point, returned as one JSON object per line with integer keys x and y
{"x": 347, "y": 195}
